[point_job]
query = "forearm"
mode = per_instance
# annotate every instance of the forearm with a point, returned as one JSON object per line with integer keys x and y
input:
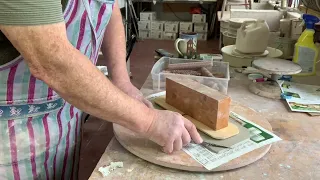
{"x": 114, "y": 48}
{"x": 88, "y": 89}
{"x": 77, "y": 80}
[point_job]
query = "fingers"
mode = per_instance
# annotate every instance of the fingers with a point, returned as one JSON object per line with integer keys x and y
{"x": 174, "y": 146}
{"x": 185, "y": 137}
{"x": 168, "y": 148}
{"x": 191, "y": 128}
{"x": 177, "y": 145}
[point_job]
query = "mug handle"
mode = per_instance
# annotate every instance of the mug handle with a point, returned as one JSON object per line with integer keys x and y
{"x": 176, "y": 43}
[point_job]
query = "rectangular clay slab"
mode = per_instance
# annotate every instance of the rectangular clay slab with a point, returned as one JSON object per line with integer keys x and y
{"x": 201, "y": 102}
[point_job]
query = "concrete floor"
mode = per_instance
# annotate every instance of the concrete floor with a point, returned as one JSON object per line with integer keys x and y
{"x": 98, "y": 133}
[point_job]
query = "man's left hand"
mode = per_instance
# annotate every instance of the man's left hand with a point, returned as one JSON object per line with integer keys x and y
{"x": 132, "y": 91}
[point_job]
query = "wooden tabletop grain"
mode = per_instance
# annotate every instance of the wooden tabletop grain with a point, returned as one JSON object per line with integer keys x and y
{"x": 296, "y": 157}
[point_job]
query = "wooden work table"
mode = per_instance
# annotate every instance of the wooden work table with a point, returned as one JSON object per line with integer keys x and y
{"x": 297, "y": 156}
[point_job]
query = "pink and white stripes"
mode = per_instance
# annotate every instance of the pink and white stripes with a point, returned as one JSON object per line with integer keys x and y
{"x": 51, "y": 149}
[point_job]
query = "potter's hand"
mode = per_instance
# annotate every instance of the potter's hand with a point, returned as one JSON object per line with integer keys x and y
{"x": 172, "y": 131}
{"x": 132, "y": 91}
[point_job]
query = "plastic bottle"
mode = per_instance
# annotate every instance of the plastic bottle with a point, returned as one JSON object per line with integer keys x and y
{"x": 306, "y": 52}
{"x": 317, "y": 41}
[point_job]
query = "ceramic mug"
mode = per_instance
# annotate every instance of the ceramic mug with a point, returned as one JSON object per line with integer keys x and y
{"x": 186, "y": 45}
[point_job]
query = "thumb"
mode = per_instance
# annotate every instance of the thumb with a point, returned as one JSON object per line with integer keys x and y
{"x": 147, "y": 103}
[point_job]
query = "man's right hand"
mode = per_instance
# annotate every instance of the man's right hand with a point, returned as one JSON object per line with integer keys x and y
{"x": 172, "y": 131}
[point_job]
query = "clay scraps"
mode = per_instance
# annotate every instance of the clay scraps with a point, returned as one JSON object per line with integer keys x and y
{"x": 194, "y": 69}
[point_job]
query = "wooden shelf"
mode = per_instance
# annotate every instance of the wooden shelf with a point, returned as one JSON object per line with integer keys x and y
{"x": 303, "y": 9}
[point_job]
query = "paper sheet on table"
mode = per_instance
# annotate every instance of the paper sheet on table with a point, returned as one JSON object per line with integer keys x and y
{"x": 304, "y": 98}
{"x": 258, "y": 137}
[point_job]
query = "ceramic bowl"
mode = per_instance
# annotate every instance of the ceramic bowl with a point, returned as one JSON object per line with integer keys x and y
{"x": 235, "y": 61}
{"x": 239, "y": 61}
{"x": 274, "y": 53}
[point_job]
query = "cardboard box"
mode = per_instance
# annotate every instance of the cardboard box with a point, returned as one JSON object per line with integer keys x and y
{"x": 157, "y": 25}
{"x": 202, "y": 36}
{"x": 171, "y": 26}
{"x": 156, "y": 34}
{"x": 169, "y": 36}
{"x": 144, "y": 34}
{"x": 199, "y": 18}
{"x": 144, "y": 25}
{"x": 186, "y": 27}
{"x": 200, "y": 27}
{"x": 148, "y": 16}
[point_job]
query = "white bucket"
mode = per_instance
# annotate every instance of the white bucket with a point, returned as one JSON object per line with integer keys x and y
{"x": 228, "y": 39}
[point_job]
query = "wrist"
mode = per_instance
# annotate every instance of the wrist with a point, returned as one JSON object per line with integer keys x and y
{"x": 120, "y": 77}
{"x": 120, "y": 81}
{"x": 149, "y": 121}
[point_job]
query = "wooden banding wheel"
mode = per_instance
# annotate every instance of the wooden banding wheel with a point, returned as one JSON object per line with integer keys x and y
{"x": 150, "y": 151}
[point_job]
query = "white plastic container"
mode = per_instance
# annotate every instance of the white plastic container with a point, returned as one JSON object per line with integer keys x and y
{"x": 237, "y": 22}
{"x": 220, "y": 84}
{"x": 253, "y": 37}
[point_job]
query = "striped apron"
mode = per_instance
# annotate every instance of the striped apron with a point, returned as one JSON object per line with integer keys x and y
{"x": 39, "y": 131}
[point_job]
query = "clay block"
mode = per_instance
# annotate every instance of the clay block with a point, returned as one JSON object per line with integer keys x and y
{"x": 201, "y": 102}
{"x": 161, "y": 101}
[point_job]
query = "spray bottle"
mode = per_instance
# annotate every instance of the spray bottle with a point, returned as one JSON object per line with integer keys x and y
{"x": 317, "y": 42}
{"x": 306, "y": 52}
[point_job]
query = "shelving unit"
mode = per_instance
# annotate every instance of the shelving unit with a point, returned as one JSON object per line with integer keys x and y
{"x": 210, "y": 14}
